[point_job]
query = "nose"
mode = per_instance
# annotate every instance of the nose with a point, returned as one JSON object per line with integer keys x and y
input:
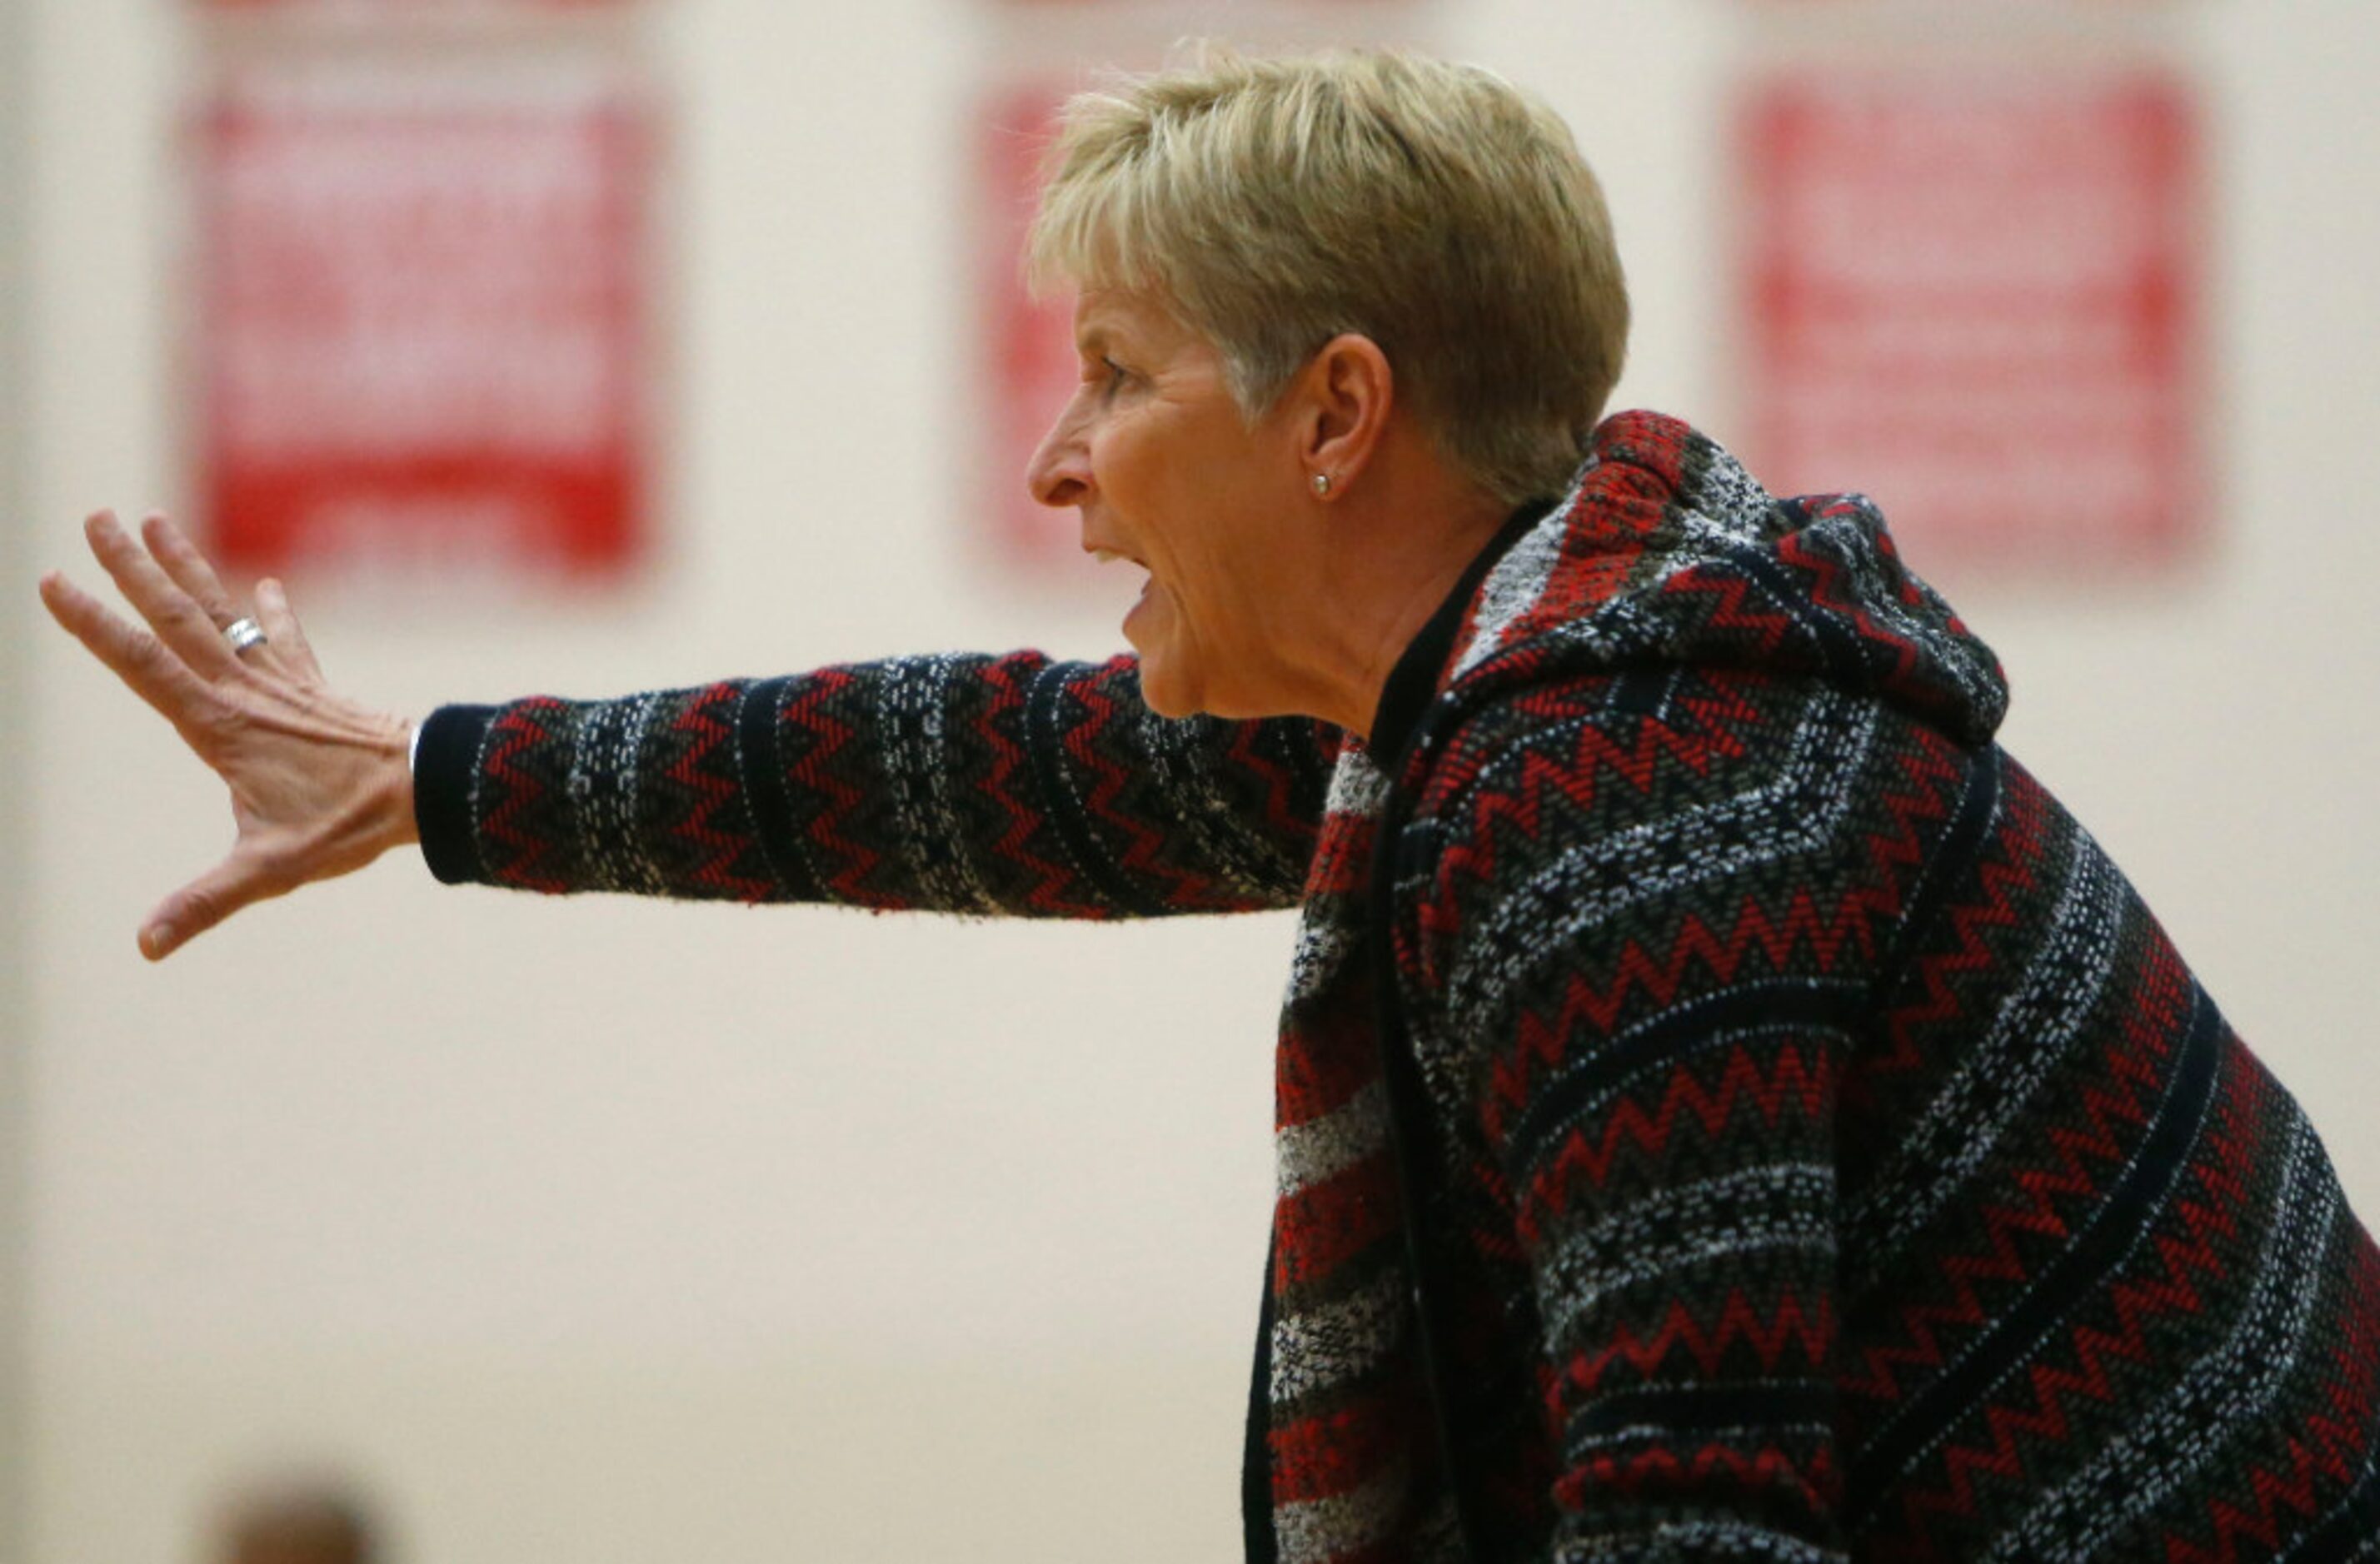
{"x": 1060, "y": 473}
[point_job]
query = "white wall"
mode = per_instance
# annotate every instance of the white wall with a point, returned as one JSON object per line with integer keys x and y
{"x": 15, "y": 617}
{"x": 606, "y": 1231}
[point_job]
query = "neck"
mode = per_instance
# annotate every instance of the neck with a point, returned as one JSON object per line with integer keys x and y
{"x": 1388, "y": 555}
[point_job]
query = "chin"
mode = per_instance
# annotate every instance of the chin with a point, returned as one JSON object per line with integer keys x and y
{"x": 1171, "y": 683}
{"x": 1163, "y": 693}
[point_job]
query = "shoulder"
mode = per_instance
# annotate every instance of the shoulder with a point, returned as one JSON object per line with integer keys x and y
{"x": 1593, "y": 753}
{"x": 1663, "y": 804}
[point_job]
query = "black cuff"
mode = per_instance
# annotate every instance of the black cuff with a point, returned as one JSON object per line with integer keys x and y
{"x": 446, "y": 772}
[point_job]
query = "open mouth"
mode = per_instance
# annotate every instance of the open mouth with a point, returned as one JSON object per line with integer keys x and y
{"x": 1106, "y": 555}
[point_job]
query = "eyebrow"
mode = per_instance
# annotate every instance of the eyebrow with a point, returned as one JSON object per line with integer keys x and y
{"x": 1091, "y": 340}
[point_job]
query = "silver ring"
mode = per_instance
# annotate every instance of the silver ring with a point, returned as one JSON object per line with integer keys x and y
{"x": 243, "y": 634}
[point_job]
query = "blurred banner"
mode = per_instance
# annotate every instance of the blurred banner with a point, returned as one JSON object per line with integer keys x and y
{"x": 1973, "y": 294}
{"x": 1029, "y": 343}
{"x": 422, "y": 332}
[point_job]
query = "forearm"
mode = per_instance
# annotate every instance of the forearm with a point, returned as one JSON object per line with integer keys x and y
{"x": 1009, "y": 785}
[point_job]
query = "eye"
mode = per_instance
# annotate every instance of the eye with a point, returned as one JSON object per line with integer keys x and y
{"x": 1117, "y": 375}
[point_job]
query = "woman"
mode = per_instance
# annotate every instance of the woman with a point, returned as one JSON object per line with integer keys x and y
{"x": 1726, "y": 1108}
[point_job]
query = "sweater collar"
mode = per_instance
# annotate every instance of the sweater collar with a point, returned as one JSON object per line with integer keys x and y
{"x": 1667, "y": 552}
{"x": 1415, "y": 678}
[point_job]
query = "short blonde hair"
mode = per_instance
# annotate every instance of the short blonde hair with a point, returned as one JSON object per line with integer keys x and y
{"x": 1431, "y": 207}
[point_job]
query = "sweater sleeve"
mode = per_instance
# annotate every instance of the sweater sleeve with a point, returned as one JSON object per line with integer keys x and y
{"x": 1645, "y": 954}
{"x": 1001, "y": 785}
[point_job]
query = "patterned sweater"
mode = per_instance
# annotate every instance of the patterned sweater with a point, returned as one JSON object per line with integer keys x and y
{"x": 1726, "y": 1108}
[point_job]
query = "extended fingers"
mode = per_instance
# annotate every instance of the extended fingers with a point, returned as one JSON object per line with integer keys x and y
{"x": 285, "y": 642}
{"x": 172, "y": 612}
{"x": 282, "y": 632}
{"x": 173, "y": 550}
{"x": 131, "y": 653}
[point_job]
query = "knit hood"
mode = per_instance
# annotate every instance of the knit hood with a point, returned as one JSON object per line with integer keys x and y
{"x": 1666, "y": 551}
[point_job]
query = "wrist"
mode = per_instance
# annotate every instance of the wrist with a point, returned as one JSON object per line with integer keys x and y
{"x": 398, "y": 757}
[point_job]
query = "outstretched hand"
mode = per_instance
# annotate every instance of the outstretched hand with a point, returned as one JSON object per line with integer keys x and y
{"x": 319, "y": 785}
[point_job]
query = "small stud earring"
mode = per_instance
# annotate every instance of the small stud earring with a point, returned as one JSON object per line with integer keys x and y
{"x": 1321, "y": 484}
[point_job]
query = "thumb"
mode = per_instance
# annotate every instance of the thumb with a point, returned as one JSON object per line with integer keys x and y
{"x": 202, "y": 903}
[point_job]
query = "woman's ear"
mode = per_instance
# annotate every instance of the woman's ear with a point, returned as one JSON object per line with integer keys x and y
{"x": 1346, "y": 394}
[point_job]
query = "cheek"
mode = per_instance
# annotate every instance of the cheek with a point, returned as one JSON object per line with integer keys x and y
{"x": 1121, "y": 460}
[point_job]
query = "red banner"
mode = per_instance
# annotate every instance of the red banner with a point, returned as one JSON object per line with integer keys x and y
{"x": 1975, "y": 297}
{"x": 422, "y": 328}
{"x": 1028, "y": 345}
